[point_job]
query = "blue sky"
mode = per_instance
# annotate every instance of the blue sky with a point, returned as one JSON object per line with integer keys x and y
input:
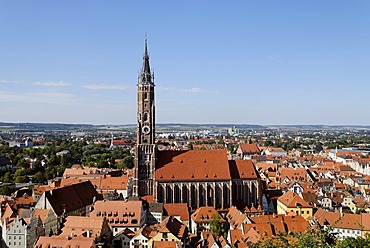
{"x": 250, "y": 62}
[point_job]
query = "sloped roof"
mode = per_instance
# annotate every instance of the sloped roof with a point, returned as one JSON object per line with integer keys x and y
{"x": 204, "y": 165}
{"x": 365, "y": 221}
{"x": 205, "y": 215}
{"x": 42, "y": 213}
{"x": 63, "y": 242}
{"x": 119, "y": 213}
{"x": 177, "y": 209}
{"x": 235, "y": 217}
{"x": 293, "y": 173}
{"x": 126, "y": 232}
{"x": 292, "y": 200}
{"x": 192, "y": 165}
{"x": 165, "y": 244}
{"x": 349, "y": 221}
{"x": 79, "y": 225}
{"x": 242, "y": 169}
{"x": 296, "y": 223}
{"x": 252, "y": 236}
{"x": 326, "y": 218}
{"x": 249, "y": 148}
{"x": 235, "y": 235}
{"x": 39, "y": 189}
{"x": 271, "y": 225}
{"x": 72, "y": 197}
{"x": 174, "y": 226}
{"x": 264, "y": 229}
{"x": 311, "y": 199}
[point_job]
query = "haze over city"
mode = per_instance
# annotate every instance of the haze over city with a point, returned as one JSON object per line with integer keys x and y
{"x": 252, "y": 62}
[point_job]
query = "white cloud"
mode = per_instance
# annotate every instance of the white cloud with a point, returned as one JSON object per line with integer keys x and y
{"x": 191, "y": 90}
{"x": 51, "y": 84}
{"x": 38, "y": 97}
{"x": 105, "y": 87}
{"x": 10, "y": 82}
{"x": 181, "y": 90}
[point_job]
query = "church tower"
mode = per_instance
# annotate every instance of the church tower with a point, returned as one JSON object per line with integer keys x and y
{"x": 145, "y": 155}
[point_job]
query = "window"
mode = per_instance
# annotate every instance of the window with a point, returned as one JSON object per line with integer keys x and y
{"x": 308, "y": 212}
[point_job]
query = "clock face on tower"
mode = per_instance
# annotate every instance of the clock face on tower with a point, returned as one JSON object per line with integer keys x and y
{"x": 146, "y": 129}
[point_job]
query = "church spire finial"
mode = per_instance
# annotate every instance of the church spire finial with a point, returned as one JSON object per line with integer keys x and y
{"x": 145, "y": 75}
{"x": 146, "y": 45}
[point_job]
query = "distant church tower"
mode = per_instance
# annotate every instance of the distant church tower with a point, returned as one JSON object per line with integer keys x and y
{"x": 145, "y": 154}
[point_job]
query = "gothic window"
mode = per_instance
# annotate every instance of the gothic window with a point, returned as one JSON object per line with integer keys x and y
{"x": 145, "y": 96}
{"x": 145, "y": 116}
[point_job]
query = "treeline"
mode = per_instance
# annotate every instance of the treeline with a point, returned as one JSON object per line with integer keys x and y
{"x": 40, "y": 164}
{"x": 313, "y": 238}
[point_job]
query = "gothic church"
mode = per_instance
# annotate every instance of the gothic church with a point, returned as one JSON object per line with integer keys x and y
{"x": 197, "y": 177}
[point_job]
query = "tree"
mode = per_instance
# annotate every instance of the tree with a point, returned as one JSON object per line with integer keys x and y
{"x": 23, "y": 163}
{"x": 313, "y": 238}
{"x": 21, "y": 179}
{"x": 217, "y": 226}
{"x": 7, "y": 177}
{"x": 355, "y": 242}
{"x": 5, "y": 190}
{"x": 39, "y": 177}
{"x": 128, "y": 161}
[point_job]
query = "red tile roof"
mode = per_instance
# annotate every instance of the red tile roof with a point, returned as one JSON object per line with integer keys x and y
{"x": 192, "y": 165}
{"x": 292, "y": 200}
{"x": 177, "y": 209}
{"x": 349, "y": 221}
{"x": 326, "y": 218}
{"x": 205, "y": 215}
{"x": 204, "y": 165}
{"x": 250, "y": 148}
{"x": 71, "y": 198}
{"x": 63, "y": 242}
{"x": 242, "y": 169}
{"x": 119, "y": 213}
{"x": 293, "y": 173}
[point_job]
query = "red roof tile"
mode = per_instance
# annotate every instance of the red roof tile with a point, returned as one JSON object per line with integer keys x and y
{"x": 192, "y": 165}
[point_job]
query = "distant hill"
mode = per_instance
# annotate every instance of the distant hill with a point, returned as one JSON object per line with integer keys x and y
{"x": 162, "y": 127}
